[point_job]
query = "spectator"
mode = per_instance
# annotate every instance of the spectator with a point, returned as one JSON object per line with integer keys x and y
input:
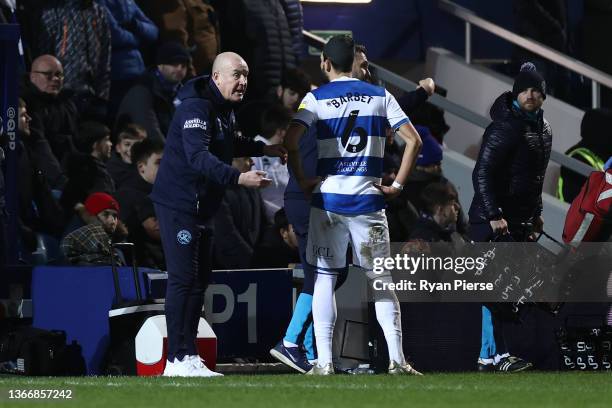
{"x": 508, "y": 179}
{"x": 91, "y": 244}
{"x": 77, "y": 32}
{"x": 94, "y": 140}
{"x": 38, "y": 209}
{"x": 120, "y": 164}
{"x": 53, "y": 109}
{"x": 150, "y": 103}
{"x": 240, "y": 221}
{"x": 130, "y": 29}
{"x": 192, "y": 23}
{"x": 258, "y": 31}
{"x": 593, "y": 149}
{"x": 279, "y": 247}
{"x": 294, "y": 85}
{"x": 137, "y": 211}
{"x": 274, "y": 123}
{"x": 439, "y": 216}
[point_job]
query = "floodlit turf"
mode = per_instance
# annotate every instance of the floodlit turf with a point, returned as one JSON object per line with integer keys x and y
{"x": 293, "y": 391}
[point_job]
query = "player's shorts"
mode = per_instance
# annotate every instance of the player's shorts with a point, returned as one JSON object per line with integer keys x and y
{"x": 329, "y": 235}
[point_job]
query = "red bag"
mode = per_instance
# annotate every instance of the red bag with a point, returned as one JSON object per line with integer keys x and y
{"x": 590, "y": 210}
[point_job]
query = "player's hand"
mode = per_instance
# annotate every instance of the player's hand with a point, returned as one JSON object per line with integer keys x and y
{"x": 308, "y": 185}
{"x": 388, "y": 191}
{"x": 254, "y": 178}
{"x": 276, "y": 150}
{"x": 499, "y": 227}
{"x": 428, "y": 85}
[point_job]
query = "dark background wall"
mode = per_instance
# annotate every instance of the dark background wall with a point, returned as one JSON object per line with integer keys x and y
{"x": 404, "y": 29}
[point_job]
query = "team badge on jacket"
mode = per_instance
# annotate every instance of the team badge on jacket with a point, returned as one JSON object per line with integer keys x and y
{"x": 183, "y": 237}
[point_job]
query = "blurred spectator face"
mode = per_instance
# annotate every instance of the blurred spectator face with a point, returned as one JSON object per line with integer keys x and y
{"x": 148, "y": 169}
{"x": 24, "y": 119}
{"x": 447, "y": 214}
{"x": 102, "y": 148}
{"x": 109, "y": 219}
{"x": 289, "y": 98}
{"x": 530, "y": 100}
{"x": 242, "y": 164}
{"x": 289, "y": 236}
{"x": 174, "y": 73}
{"x": 231, "y": 77}
{"x": 123, "y": 148}
{"x": 361, "y": 67}
{"x": 47, "y": 74}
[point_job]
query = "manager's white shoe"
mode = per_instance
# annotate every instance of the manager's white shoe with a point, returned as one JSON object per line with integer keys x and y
{"x": 200, "y": 369}
{"x": 189, "y": 366}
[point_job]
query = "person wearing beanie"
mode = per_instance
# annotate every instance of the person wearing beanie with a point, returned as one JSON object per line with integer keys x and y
{"x": 150, "y": 102}
{"x": 91, "y": 244}
{"x": 507, "y": 205}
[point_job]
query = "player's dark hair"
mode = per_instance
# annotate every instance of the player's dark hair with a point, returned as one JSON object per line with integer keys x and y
{"x": 340, "y": 51}
{"x": 141, "y": 151}
{"x": 274, "y": 118}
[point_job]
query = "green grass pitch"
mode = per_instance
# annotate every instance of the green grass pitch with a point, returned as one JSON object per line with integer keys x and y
{"x": 293, "y": 391}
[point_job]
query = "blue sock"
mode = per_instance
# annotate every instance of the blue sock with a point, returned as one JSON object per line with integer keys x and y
{"x": 487, "y": 345}
{"x": 301, "y": 314}
{"x": 309, "y": 343}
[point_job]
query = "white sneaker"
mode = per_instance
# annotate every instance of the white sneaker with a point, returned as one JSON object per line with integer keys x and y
{"x": 190, "y": 366}
{"x": 178, "y": 368}
{"x": 200, "y": 369}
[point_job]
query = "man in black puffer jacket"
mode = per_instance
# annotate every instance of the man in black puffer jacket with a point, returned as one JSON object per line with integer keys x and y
{"x": 508, "y": 179}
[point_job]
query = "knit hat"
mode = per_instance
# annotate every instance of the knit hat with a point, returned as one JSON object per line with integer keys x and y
{"x": 529, "y": 77}
{"x": 98, "y": 202}
{"x": 171, "y": 53}
{"x": 340, "y": 50}
{"x": 431, "y": 152}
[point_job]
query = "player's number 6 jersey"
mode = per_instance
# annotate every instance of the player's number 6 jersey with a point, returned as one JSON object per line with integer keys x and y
{"x": 351, "y": 118}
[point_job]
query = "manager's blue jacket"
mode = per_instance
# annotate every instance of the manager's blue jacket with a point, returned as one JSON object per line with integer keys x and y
{"x": 200, "y": 145}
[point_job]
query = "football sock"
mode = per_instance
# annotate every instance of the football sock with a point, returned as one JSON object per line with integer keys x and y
{"x": 324, "y": 316}
{"x": 301, "y": 314}
{"x": 389, "y": 317}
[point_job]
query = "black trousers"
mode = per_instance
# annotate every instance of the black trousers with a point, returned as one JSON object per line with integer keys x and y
{"x": 187, "y": 244}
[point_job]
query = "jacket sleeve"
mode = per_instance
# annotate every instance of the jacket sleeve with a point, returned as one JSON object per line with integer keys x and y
{"x": 496, "y": 147}
{"x": 196, "y": 130}
{"x": 411, "y": 101}
{"x": 120, "y": 37}
{"x": 145, "y": 29}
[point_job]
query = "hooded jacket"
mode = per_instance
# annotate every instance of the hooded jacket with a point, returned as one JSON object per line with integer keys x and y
{"x": 200, "y": 146}
{"x": 509, "y": 173}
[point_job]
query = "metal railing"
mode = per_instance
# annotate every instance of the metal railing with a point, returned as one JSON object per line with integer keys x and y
{"x": 596, "y": 76}
{"x": 451, "y": 107}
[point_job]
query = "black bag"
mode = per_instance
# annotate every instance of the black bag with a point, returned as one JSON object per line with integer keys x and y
{"x": 32, "y": 351}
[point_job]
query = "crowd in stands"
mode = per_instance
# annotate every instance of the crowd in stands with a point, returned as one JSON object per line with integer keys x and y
{"x": 98, "y": 90}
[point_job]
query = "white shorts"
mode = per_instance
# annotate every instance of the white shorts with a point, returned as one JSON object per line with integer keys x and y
{"x": 329, "y": 235}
